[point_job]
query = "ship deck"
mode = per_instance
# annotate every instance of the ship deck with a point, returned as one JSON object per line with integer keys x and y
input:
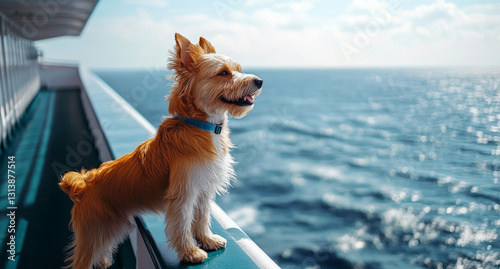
{"x": 77, "y": 121}
{"x": 70, "y": 128}
{"x": 52, "y": 138}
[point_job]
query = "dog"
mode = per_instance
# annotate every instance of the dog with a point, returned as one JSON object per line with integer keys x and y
{"x": 177, "y": 172}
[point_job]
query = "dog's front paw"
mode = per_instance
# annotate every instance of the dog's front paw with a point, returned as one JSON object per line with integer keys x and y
{"x": 213, "y": 242}
{"x": 104, "y": 263}
{"x": 193, "y": 255}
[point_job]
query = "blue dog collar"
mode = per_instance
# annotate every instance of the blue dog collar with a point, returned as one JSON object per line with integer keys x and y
{"x": 206, "y": 126}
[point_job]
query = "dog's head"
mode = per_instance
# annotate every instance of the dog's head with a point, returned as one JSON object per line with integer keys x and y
{"x": 210, "y": 81}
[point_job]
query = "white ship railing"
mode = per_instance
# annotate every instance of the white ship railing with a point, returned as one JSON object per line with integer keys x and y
{"x": 19, "y": 77}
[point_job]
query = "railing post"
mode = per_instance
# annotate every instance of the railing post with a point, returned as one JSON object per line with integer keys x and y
{"x": 3, "y": 130}
{"x": 19, "y": 79}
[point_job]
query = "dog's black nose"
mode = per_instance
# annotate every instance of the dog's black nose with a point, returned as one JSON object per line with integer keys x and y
{"x": 258, "y": 82}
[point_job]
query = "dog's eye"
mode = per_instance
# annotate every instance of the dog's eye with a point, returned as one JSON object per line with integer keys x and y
{"x": 223, "y": 73}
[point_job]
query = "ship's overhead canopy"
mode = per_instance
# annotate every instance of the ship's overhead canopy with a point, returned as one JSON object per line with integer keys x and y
{"x": 51, "y": 18}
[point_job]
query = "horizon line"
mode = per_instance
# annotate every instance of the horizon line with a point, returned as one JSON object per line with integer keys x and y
{"x": 325, "y": 67}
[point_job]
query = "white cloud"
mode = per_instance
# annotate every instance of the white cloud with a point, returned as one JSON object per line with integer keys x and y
{"x": 272, "y": 18}
{"x": 297, "y": 6}
{"x": 422, "y": 31}
{"x": 366, "y": 6}
{"x": 439, "y": 11}
{"x": 256, "y": 2}
{"x": 150, "y": 3}
{"x": 301, "y": 6}
{"x": 287, "y": 34}
{"x": 438, "y": 33}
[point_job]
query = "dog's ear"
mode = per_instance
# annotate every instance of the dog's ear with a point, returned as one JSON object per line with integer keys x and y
{"x": 206, "y": 46}
{"x": 183, "y": 48}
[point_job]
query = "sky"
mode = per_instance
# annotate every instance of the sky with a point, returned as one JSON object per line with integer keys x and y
{"x": 289, "y": 34}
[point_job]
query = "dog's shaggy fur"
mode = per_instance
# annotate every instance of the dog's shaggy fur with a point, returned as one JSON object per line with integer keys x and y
{"x": 178, "y": 171}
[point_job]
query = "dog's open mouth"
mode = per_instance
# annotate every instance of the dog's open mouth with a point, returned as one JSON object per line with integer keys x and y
{"x": 248, "y": 100}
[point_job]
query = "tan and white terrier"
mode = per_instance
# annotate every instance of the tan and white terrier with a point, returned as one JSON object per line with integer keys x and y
{"x": 178, "y": 171}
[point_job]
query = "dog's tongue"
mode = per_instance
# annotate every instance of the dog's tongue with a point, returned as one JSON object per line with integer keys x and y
{"x": 249, "y": 99}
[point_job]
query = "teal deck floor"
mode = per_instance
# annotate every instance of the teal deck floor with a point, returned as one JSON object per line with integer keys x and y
{"x": 52, "y": 138}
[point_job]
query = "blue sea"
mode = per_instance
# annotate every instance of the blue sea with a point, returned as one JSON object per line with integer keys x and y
{"x": 361, "y": 168}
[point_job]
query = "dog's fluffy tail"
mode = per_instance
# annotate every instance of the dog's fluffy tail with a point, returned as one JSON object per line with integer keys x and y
{"x": 73, "y": 183}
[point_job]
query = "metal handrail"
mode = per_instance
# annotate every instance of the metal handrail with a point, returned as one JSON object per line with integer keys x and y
{"x": 19, "y": 77}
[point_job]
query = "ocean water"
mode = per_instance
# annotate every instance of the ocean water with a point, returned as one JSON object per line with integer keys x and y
{"x": 361, "y": 168}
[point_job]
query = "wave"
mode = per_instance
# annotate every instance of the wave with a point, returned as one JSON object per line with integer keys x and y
{"x": 392, "y": 172}
{"x": 396, "y": 231}
{"x": 318, "y": 257}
